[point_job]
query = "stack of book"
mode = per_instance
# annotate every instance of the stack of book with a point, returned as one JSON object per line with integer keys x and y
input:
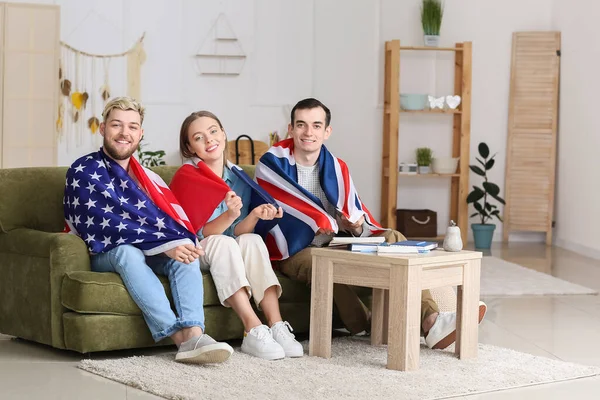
{"x": 404, "y": 247}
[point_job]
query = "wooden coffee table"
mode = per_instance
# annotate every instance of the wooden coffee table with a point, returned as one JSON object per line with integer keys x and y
{"x": 397, "y": 282}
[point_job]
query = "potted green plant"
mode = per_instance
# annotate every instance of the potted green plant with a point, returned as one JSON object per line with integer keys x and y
{"x": 484, "y": 232}
{"x": 432, "y": 12}
{"x": 424, "y": 157}
{"x": 150, "y": 158}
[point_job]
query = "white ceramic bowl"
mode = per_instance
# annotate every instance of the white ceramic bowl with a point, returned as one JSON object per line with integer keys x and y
{"x": 444, "y": 165}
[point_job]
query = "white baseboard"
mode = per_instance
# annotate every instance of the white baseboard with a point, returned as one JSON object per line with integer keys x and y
{"x": 535, "y": 237}
{"x": 577, "y": 248}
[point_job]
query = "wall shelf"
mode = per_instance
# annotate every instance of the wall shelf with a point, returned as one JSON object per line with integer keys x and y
{"x": 431, "y": 111}
{"x": 426, "y": 48}
{"x": 460, "y": 134}
{"x": 428, "y": 175}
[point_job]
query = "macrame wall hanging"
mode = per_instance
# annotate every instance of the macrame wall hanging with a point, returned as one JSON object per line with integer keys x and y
{"x": 85, "y": 88}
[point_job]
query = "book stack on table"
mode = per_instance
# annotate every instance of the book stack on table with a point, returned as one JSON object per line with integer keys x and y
{"x": 403, "y": 247}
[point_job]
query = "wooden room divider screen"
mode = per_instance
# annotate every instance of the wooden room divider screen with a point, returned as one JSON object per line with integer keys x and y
{"x": 532, "y": 129}
{"x": 29, "y": 52}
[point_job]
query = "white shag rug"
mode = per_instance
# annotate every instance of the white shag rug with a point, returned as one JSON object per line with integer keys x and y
{"x": 503, "y": 278}
{"x": 355, "y": 371}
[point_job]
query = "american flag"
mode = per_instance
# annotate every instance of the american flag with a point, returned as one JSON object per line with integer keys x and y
{"x": 107, "y": 208}
{"x": 304, "y": 213}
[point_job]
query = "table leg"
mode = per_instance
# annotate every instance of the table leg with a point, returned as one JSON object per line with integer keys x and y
{"x": 321, "y": 308}
{"x": 467, "y": 311}
{"x": 404, "y": 318}
{"x": 379, "y": 317}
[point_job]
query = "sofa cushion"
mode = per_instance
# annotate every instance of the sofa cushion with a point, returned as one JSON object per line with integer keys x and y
{"x": 104, "y": 293}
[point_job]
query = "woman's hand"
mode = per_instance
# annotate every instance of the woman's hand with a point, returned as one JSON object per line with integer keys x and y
{"x": 267, "y": 212}
{"x": 186, "y": 253}
{"x": 234, "y": 204}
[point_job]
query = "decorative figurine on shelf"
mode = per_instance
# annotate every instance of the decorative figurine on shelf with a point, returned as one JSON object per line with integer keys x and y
{"x": 436, "y": 102}
{"x": 452, "y": 241}
{"x": 453, "y": 102}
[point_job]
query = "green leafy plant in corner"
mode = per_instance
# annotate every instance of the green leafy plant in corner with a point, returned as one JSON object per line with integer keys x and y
{"x": 479, "y": 196}
{"x": 424, "y": 156}
{"x": 432, "y": 12}
{"x": 150, "y": 158}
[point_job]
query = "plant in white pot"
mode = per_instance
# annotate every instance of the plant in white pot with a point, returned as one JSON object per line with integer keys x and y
{"x": 484, "y": 232}
{"x": 424, "y": 157}
{"x": 432, "y": 12}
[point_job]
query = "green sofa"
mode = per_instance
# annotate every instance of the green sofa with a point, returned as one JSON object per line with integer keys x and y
{"x": 48, "y": 294}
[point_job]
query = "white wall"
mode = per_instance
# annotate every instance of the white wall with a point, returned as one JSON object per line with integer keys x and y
{"x": 578, "y": 178}
{"x": 328, "y": 49}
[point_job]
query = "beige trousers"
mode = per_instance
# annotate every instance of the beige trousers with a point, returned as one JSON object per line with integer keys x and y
{"x": 238, "y": 263}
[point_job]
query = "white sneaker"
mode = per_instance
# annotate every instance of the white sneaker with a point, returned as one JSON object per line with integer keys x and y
{"x": 443, "y": 332}
{"x": 259, "y": 343}
{"x": 282, "y": 333}
{"x": 202, "y": 350}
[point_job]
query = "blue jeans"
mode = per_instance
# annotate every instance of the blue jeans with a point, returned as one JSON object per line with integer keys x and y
{"x": 138, "y": 272}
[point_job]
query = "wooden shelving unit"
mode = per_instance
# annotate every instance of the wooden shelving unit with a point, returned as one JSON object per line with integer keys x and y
{"x": 461, "y": 131}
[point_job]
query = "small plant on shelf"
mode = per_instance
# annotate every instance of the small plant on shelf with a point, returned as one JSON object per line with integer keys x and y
{"x": 479, "y": 197}
{"x": 432, "y": 12}
{"x": 424, "y": 157}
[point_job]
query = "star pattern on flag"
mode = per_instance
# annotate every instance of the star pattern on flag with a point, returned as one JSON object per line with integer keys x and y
{"x": 105, "y": 223}
{"x": 107, "y": 208}
{"x": 140, "y": 204}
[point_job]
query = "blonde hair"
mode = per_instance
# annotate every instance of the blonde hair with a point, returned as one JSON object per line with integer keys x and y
{"x": 125, "y": 104}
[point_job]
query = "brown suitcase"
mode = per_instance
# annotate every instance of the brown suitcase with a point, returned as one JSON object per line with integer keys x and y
{"x": 416, "y": 223}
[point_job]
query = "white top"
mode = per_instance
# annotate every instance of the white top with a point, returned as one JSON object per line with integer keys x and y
{"x": 308, "y": 178}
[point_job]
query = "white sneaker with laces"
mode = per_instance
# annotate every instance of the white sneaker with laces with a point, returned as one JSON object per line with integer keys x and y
{"x": 282, "y": 333}
{"x": 259, "y": 343}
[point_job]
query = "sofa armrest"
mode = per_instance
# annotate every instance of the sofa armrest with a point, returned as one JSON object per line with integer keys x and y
{"x": 33, "y": 264}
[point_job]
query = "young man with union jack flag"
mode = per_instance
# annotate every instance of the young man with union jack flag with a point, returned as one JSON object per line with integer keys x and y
{"x": 319, "y": 199}
{"x": 134, "y": 226}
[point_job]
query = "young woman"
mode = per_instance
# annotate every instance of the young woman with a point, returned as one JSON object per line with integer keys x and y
{"x": 236, "y": 258}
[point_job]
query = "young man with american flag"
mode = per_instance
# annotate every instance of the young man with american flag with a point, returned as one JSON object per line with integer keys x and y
{"x": 319, "y": 200}
{"x": 134, "y": 226}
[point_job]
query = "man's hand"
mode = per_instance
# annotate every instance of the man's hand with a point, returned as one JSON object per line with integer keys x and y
{"x": 267, "y": 212}
{"x": 234, "y": 204}
{"x": 186, "y": 253}
{"x": 355, "y": 228}
{"x": 323, "y": 231}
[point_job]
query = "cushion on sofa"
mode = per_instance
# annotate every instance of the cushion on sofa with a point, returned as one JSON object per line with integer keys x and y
{"x": 104, "y": 293}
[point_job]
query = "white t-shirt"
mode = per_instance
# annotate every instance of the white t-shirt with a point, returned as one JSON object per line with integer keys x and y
{"x": 308, "y": 178}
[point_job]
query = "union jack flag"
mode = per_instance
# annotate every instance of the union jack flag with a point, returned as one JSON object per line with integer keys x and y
{"x": 106, "y": 207}
{"x": 304, "y": 213}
